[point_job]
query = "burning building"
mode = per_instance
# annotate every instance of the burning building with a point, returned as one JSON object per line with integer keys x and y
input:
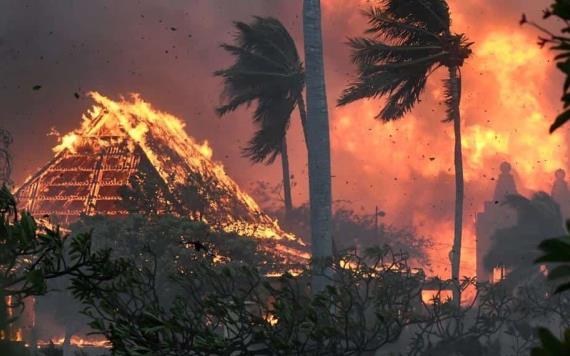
{"x": 128, "y": 156}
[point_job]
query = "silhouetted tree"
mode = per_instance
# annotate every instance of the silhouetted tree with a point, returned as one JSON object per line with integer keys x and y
{"x": 409, "y": 40}
{"x": 232, "y": 308}
{"x": 267, "y": 71}
{"x": 31, "y": 255}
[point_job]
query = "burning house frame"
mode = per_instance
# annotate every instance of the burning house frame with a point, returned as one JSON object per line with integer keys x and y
{"x": 128, "y": 144}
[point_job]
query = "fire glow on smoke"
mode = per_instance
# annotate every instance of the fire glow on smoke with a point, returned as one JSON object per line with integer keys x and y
{"x": 406, "y": 167}
{"x": 173, "y": 153}
{"x": 510, "y": 95}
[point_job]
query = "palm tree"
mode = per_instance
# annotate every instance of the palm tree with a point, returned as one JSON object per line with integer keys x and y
{"x": 319, "y": 143}
{"x": 409, "y": 40}
{"x": 267, "y": 70}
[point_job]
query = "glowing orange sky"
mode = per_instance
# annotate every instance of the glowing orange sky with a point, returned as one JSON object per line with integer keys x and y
{"x": 511, "y": 93}
{"x": 406, "y": 167}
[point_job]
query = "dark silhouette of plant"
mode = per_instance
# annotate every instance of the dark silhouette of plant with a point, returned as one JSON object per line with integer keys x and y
{"x": 559, "y": 43}
{"x": 555, "y": 251}
{"x": 172, "y": 239}
{"x": 409, "y": 40}
{"x": 31, "y": 255}
{"x": 232, "y": 307}
{"x": 267, "y": 71}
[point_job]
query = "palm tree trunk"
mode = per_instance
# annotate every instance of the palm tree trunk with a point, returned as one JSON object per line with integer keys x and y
{"x": 303, "y": 115}
{"x": 459, "y": 183}
{"x": 319, "y": 146}
{"x": 286, "y": 179}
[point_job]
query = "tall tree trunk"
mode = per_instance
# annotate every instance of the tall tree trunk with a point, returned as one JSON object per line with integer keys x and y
{"x": 303, "y": 115}
{"x": 286, "y": 179}
{"x": 455, "y": 87}
{"x": 319, "y": 145}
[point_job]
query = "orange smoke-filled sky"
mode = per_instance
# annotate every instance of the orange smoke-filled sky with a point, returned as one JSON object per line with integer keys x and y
{"x": 167, "y": 52}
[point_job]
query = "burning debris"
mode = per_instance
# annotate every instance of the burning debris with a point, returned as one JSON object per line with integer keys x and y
{"x": 126, "y": 149}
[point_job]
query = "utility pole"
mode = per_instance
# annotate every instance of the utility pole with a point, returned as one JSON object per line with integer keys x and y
{"x": 5, "y": 158}
{"x": 377, "y": 214}
{"x": 376, "y": 223}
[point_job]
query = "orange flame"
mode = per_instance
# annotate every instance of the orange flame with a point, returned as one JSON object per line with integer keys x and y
{"x": 174, "y": 154}
{"x": 407, "y": 167}
{"x": 77, "y": 341}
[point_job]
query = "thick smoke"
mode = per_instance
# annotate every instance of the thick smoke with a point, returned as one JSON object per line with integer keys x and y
{"x": 167, "y": 52}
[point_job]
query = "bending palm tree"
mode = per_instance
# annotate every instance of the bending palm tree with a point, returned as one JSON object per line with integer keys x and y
{"x": 409, "y": 40}
{"x": 267, "y": 70}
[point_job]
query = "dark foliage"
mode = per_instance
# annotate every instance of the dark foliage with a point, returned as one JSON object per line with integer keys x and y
{"x": 31, "y": 255}
{"x": 559, "y": 43}
{"x": 267, "y": 71}
{"x": 172, "y": 240}
{"x": 408, "y": 41}
{"x": 232, "y": 307}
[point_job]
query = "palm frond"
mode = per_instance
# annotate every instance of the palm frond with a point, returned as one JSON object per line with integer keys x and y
{"x": 431, "y": 15}
{"x": 236, "y": 101}
{"x": 372, "y": 51}
{"x": 403, "y": 99}
{"x": 386, "y": 26}
{"x": 370, "y": 86}
{"x": 272, "y": 115}
{"x": 267, "y": 35}
{"x": 251, "y": 56}
{"x": 402, "y": 82}
{"x": 268, "y": 72}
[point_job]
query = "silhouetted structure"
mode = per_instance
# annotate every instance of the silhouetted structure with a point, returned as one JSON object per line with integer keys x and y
{"x": 495, "y": 215}
{"x": 561, "y": 194}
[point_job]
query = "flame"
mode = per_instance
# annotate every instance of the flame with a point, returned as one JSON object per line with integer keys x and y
{"x": 407, "y": 168}
{"x": 271, "y": 319}
{"x": 174, "y": 154}
{"x": 68, "y": 141}
{"x": 429, "y": 296}
{"x": 77, "y": 341}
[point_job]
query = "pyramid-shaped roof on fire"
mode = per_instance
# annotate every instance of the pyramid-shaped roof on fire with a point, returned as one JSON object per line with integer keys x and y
{"x": 120, "y": 142}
